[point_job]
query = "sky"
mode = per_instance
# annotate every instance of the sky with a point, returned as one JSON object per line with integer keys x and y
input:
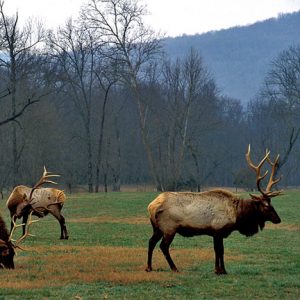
{"x": 170, "y": 17}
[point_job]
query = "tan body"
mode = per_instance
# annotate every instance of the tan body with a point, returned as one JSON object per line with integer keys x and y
{"x": 194, "y": 213}
{"x": 44, "y": 201}
{"x": 216, "y": 213}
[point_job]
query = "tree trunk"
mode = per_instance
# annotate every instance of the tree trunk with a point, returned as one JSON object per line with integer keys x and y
{"x": 105, "y": 182}
{"x": 90, "y": 164}
{"x": 14, "y": 128}
{"x": 100, "y": 141}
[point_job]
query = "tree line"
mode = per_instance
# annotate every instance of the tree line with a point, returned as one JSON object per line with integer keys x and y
{"x": 98, "y": 101}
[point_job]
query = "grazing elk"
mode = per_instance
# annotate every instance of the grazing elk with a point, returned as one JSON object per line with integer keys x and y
{"x": 8, "y": 245}
{"x": 40, "y": 201}
{"x": 215, "y": 213}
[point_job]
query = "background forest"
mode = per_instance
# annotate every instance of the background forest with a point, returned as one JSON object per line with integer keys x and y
{"x": 104, "y": 102}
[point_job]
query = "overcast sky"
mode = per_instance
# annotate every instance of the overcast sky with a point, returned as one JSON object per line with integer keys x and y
{"x": 172, "y": 17}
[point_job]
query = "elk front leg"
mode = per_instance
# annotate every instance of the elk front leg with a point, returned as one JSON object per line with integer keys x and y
{"x": 219, "y": 254}
{"x": 25, "y": 219}
{"x": 12, "y": 221}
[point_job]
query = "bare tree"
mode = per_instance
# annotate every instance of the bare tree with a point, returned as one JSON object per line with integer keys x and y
{"x": 120, "y": 26}
{"x": 282, "y": 82}
{"x": 282, "y": 93}
{"x": 74, "y": 49}
{"x": 107, "y": 75}
{"x": 17, "y": 48}
{"x": 189, "y": 95}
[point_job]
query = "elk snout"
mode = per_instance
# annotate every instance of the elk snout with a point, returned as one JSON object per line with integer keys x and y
{"x": 274, "y": 218}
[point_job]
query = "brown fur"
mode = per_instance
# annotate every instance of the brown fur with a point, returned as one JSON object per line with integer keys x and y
{"x": 44, "y": 201}
{"x": 6, "y": 248}
{"x": 216, "y": 213}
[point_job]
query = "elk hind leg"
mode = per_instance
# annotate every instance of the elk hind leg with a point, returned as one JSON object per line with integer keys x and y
{"x": 164, "y": 246}
{"x": 63, "y": 228}
{"x": 157, "y": 235}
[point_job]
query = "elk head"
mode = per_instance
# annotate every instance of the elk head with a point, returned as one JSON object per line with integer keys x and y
{"x": 8, "y": 248}
{"x": 266, "y": 211}
{"x": 7, "y": 253}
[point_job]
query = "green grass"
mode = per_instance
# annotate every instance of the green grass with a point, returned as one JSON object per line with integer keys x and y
{"x": 106, "y": 254}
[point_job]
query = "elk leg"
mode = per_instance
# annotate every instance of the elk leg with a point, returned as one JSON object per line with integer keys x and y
{"x": 164, "y": 246}
{"x": 219, "y": 253}
{"x": 63, "y": 228}
{"x": 157, "y": 235}
{"x": 25, "y": 218}
{"x": 13, "y": 219}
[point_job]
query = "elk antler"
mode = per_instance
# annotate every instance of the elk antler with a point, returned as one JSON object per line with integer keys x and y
{"x": 259, "y": 178}
{"x": 26, "y": 234}
{"x": 15, "y": 226}
{"x": 271, "y": 180}
{"x": 257, "y": 168}
{"x": 29, "y": 223}
{"x": 43, "y": 180}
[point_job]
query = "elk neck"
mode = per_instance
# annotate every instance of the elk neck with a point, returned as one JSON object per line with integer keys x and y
{"x": 3, "y": 230}
{"x": 248, "y": 219}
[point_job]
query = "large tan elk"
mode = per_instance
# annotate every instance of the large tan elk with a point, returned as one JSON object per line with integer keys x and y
{"x": 8, "y": 244}
{"x": 215, "y": 213}
{"x": 40, "y": 201}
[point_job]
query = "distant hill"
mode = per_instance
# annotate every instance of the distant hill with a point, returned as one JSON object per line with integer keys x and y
{"x": 239, "y": 57}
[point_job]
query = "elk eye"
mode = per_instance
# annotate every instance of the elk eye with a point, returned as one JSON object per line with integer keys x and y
{"x": 5, "y": 252}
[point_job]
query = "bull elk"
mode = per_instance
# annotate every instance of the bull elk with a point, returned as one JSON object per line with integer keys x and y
{"x": 8, "y": 245}
{"x": 39, "y": 201}
{"x": 215, "y": 213}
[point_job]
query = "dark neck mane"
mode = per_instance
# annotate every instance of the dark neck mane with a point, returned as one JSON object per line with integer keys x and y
{"x": 3, "y": 231}
{"x": 248, "y": 218}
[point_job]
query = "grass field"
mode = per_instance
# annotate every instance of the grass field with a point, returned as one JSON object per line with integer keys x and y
{"x": 106, "y": 254}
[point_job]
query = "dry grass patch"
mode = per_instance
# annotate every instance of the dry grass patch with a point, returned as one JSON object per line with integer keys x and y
{"x": 282, "y": 226}
{"x": 61, "y": 265}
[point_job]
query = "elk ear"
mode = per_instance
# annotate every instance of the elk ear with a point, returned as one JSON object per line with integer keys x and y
{"x": 2, "y": 243}
{"x": 255, "y": 197}
{"x": 24, "y": 197}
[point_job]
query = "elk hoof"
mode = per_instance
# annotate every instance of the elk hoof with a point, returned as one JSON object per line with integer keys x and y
{"x": 148, "y": 269}
{"x": 219, "y": 271}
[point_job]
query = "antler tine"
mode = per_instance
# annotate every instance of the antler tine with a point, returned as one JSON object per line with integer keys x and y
{"x": 15, "y": 226}
{"x": 257, "y": 169}
{"x": 26, "y": 234}
{"x": 273, "y": 181}
{"x": 43, "y": 180}
{"x": 45, "y": 176}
